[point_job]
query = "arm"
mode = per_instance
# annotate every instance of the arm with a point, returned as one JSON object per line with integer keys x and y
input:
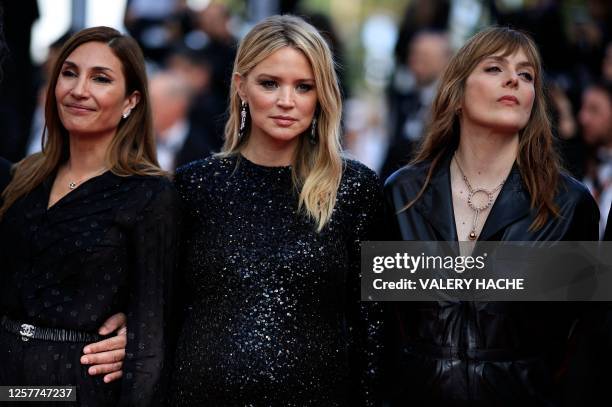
{"x": 585, "y": 223}
{"x": 153, "y": 247}
{"x": 106, "y": 356}
{"x": 365, "y": 318}
{"x": 590, "y": 343}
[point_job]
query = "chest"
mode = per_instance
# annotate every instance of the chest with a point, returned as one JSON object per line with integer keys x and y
{"x": 61, "y": 236}
{"x": 84, "y": 221}
{"x": 471, "y": 208}
{"x": 265, "y": 238}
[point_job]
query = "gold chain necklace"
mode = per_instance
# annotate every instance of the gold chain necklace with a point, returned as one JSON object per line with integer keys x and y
{"x": 473, "y": 192}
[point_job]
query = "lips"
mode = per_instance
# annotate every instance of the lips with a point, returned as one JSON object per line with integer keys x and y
{"x": 509, "y": 99}
{"x": 283, "y": 121}
{"x": 74, "y": 107}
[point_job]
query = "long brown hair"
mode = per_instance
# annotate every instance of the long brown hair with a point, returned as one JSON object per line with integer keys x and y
{"x": 537, "y": 160}
{"x": 132, "y": 150}
{"x": 317, "y": 169}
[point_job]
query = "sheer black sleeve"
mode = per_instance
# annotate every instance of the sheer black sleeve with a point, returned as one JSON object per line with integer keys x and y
{"x": 153, "y": 244}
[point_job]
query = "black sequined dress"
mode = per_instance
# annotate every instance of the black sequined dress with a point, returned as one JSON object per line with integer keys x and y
{"x": 108, "y": 246}
{"x": 272, "y": 314}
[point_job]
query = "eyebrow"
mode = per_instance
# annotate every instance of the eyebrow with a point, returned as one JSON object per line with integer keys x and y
{"x": 95, "y": 68}
{"x": 505, "y": 60}
{"x": 276, "y": 78}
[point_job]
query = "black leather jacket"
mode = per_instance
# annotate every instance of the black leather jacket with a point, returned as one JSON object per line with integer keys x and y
{"x": 481, "y": 353}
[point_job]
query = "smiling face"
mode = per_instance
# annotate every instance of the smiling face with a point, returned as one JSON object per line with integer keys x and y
{"x": 499, "y": 93}
{"x": 91, "y": 91}
{"x": 281, "y": 95}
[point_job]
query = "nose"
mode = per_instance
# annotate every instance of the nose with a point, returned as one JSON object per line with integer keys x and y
{"x": 285, "y": 97}
{"x": 512, "y": 80}
{"x": 80, "y": 89}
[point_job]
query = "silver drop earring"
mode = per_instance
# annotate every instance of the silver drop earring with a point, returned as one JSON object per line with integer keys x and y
{"x": 243, "y": 114}
{"x": 313, "y": 132}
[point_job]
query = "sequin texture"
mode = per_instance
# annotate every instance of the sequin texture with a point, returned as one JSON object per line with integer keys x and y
{"x": 272, "y": 311}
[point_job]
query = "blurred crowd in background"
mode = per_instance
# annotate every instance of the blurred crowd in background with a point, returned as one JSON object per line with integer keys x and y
{"x": 390, "y": 55}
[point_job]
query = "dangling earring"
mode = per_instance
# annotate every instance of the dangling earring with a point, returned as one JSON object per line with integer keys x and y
{"x": 126, "y": 114}
{"x": 313, "y": 131}
{"x": 243, "y": 115}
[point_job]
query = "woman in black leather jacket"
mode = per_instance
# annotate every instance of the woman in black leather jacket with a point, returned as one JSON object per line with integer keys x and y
{"x": 486, "y": 171}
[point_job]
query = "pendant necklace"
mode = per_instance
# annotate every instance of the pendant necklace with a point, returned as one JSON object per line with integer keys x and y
{"x": 72, "y": 184}
{"x": 481, "y": 206}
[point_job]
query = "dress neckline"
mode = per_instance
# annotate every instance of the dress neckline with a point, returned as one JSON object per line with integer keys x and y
{"x": 51, "y": 180}
{"x": 260, "y": 167}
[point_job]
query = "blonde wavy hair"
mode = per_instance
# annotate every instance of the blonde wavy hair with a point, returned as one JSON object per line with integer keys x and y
{"x": 537, "y": 160}
{"x": 131, "y": 152}
{"x": 317, "y": 169}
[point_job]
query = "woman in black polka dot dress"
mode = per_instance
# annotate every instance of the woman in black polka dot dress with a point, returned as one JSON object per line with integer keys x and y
{"x": 88, "y": 229}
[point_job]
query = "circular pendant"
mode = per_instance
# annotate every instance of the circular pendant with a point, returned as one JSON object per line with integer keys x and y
{"x": 72, "y": 185}
{"x": 472, "y": 236}
{"x": 480, "y": 199}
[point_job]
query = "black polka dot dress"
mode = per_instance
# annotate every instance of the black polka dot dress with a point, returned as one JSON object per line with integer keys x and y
{"x": 108, "y": 246}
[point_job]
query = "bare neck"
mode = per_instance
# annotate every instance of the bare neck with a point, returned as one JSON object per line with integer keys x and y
{"x": 269, "y": 152}
{"x": 486, "y": 156}
{"x": 87, "y": 154}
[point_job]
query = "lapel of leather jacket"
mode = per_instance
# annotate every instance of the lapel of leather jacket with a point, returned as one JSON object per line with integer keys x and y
{"x": 511, "y": 205}
{"x": 436, "y": 203}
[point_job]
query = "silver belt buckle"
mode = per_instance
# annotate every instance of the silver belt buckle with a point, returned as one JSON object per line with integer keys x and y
{"x": 27, "y": 332}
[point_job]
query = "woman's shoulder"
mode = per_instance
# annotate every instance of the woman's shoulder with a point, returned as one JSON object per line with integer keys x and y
{"x": 408, "y": 175}
{"x": 206, "y": 167}
{"x": 572, "y": 191}
{"x": 578, "y": 211}
{"x": 148, "y": 190}
{"x": 200, "y": 179}
{"x": 152, "y": 183}
{"x": 360, "y": 186}
{"x": 357, "y": 171}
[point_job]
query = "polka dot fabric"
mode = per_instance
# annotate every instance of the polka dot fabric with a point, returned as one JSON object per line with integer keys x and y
{"x": 108, "y": 246}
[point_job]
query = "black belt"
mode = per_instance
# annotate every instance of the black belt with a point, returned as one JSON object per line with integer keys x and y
{"x": 27, "y": 331}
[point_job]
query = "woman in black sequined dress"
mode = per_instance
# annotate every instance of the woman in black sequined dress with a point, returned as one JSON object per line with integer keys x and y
{"x": 272, "y": 311}
{"x": 88, "y": 228}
